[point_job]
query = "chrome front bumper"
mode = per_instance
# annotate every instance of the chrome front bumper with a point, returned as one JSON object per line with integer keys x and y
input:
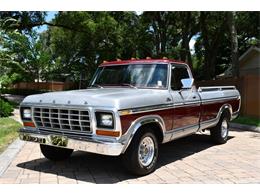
{"x": 76, "y": 143}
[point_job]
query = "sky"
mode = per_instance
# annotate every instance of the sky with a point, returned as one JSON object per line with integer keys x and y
{"x": 49, "y": 17}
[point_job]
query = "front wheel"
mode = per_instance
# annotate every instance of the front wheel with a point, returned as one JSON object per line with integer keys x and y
{"x": 142, "y": 154}
{"x": 55, "y": 153}
{"x": 219, "y": 133}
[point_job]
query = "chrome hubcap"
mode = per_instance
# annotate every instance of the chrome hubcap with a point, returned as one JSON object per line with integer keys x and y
{"x": 224, "y": 128}
{"x": 146, "y": 151}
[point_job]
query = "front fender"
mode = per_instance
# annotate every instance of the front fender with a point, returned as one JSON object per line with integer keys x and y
{"x": 135, "y": 127}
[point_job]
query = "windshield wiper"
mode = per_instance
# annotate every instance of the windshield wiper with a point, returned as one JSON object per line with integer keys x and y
{"x": 96, "y": 85}
{"x": 129, "y": 85}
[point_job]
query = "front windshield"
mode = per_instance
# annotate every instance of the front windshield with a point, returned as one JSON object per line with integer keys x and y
{"x": 132, "y": 75}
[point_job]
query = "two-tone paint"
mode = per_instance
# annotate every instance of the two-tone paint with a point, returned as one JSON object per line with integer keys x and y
{"x": 176, "y": 113}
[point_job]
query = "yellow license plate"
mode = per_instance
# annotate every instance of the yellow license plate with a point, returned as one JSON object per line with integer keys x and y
{"x": 58, "y": 140}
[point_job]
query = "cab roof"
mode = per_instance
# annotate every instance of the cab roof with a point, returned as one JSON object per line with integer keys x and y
{"x": 140, "y": 61}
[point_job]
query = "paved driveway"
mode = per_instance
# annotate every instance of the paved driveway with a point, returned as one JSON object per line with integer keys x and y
{"x": 189, "y": 160}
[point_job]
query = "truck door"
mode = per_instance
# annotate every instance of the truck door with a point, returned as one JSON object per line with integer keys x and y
{"x": 186, "y": 101}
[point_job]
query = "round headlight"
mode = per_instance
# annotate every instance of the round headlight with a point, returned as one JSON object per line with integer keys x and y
{"x": 27, "y": 113}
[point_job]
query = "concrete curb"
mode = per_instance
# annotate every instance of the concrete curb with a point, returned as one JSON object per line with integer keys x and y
{"x": 9, "y": 154}
{"x": 245, "y": 127}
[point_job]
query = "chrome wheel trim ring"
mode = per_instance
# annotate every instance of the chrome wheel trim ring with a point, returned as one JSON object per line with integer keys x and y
{"x": 146, "y": 151}
{"x": 224, "y": 128}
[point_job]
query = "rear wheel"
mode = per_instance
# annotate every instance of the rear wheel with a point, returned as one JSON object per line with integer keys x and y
{"x": 142, "y": 154}
{"x": 55, "y": 153}
{"x": 219, "y": 133}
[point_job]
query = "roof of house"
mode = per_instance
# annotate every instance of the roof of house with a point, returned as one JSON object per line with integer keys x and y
{"x": 248, "y": 54}
{"x": 140, "y": 61}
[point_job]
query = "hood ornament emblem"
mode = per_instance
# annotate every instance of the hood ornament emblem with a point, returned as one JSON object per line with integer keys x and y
{"x": 68, "y": 102}
{"x": 53, "y": 101}
{"x": 85, "y": 102}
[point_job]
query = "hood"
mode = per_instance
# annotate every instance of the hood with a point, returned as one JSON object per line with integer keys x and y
{"x": 119, "y": 98}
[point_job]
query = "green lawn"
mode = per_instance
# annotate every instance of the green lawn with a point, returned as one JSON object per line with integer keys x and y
{"x": 247, "y": 121}
{"x": 8, "y": 132}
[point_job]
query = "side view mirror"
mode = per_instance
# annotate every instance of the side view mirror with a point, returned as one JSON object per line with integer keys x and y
{"x": 187, "y": 83}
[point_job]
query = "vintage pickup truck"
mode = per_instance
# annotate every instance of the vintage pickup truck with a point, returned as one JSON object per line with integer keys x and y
{"x": 128, "y": 110}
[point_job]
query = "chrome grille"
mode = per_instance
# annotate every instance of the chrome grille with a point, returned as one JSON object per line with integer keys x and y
{"x": 62, "y": 119}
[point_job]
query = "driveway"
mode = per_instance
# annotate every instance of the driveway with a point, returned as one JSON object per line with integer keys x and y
{"x": 189, "y": 160}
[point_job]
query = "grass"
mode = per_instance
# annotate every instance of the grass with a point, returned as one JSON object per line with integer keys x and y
{"x": 247, "y": 121}
{"x": 8, "y": 132}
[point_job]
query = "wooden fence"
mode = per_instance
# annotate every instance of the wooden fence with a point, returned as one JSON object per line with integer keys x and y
{"x": 47, "y": 86}
{"x": 249, "y": 88}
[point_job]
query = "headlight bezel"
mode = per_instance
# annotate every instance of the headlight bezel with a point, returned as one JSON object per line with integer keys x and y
{"x": 26, "y": 118}
{"x": 98, "y": 116}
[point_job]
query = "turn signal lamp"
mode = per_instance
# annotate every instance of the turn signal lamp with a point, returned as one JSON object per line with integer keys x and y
{"x": 28, "y": 124}
{"x": 108, "y": 133}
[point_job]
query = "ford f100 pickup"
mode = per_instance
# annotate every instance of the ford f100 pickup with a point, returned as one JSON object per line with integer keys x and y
{"x": 128, "y": 110}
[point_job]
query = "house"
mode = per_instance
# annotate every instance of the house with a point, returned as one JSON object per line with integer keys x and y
{"x": 248, "y": 82}
{"x": 249, "y": 64}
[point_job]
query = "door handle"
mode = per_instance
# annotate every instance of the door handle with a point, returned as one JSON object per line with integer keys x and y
{"x": 194, "y": 97}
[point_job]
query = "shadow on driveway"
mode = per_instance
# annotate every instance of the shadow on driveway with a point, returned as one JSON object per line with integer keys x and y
{"x": 106, "y": 169}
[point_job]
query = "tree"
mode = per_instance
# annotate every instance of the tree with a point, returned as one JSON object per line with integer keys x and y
{"x": 22, "y": 57}
{"x": 76, "y": 42}
{"x": 234, "y": 43}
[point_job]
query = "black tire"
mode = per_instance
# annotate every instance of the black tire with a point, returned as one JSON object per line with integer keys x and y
{"x": 217, "y": 136}
{"x": 55, "y": 153}
{"x": 131, "y": 156}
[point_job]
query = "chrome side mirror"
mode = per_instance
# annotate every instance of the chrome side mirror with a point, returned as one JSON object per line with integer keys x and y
{"x": 187, "y": 83}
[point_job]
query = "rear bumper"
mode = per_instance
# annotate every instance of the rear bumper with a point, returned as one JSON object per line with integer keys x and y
{"x": 76, "y": 143}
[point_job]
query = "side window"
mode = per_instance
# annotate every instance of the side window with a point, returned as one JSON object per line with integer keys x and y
{"x": 178, "y": 73}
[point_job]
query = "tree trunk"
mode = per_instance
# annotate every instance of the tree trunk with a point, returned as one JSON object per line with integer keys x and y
{"x": 204, "y": 32}
{"x": 234, "y": 43}
{"x": 185, "y": 48}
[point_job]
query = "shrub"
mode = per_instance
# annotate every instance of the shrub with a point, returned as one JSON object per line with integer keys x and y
{"x": 23, "y": 92}
{"x": 6, "y": 109}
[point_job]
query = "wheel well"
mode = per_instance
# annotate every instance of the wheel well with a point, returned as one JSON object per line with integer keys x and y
{"x": 226, "y": 112}
{"x": 156, "y": 129}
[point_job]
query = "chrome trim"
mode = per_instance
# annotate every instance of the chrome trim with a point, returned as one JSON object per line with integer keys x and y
{"x": 180, "y": 132}
{"x": 216, "y": 88}
{"x": 234, "y": 115}
{"x": 177, "y": 105}
{"x": 92, "y": 119}
{"x": 62, "y": 119}
{"x": 146, "y": 150}
{"x": 213, "y": 100}
{"x": 76, "y": 143}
